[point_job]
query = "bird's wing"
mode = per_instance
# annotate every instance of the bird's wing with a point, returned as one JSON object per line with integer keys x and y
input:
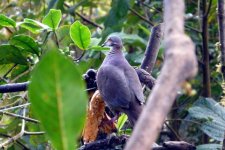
{"x": 113, "y": 87}
{"x": 134, "y": 84}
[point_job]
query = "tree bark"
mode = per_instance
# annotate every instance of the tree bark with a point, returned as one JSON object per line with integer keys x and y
{"x": 180, "y": 64}
{"x": 221, "y": 21}
{"x": 205, "y": 51}
{"x": 152, "y": 49}
{"x": 14, "y": 87}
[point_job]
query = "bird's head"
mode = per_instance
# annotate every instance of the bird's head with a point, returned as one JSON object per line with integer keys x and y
{"x": 113, "y": 41}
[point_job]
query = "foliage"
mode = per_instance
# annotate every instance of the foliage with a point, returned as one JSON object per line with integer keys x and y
{"x": 63, "y": 94}
{"x": 40, "y": 39}
{"x": 213, "y": 114}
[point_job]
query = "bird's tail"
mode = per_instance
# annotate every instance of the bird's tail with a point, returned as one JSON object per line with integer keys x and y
{"x": 133, "y": 113}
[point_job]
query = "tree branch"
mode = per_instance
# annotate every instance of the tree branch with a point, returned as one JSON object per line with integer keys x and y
{"x": 180, "y": 64}
{"x": 152, "y": 49}
{"x": 145, "y": 78}
{"x": 140, "y": 16}
{"x": 20, "y": 117}
{"x": 20, "y": 134}
{"x": 221, "y": 22}
{"x": 71, "y": 11}
{"x": 205, "y": 52}
{"x": 14, "y": 87}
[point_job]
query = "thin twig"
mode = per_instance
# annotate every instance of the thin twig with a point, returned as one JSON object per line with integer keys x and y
{"x": 33, "y": 133}
{"x": 208, "y": 10}
{"x": 19, "y": 76}
{"x": 78, "y": 59}
{"x": 173, "y": 131}
{"x": 82, "y": 17}
{"x": 15, "y": 107}
{"x": 14, "y": 138}
{"x": 184, "y": 120}
{"x": 20, "y": 117}
{"x": 140, "y": 16}
{"x": 9, "y": 70}
{"x": 88, "y": 21}
{"x": 56, "y": 39}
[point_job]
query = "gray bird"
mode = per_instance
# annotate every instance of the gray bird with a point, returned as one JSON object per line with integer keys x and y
{"x": 118, "y": 82}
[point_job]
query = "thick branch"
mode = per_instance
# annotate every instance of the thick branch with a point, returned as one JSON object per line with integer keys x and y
{"x": 119, "y": 142}
{"x": 152, "y": 49}
{"x": 14, "y": 87}
{"x": 221, "y": 21}
{"x": 145, "y": 78}
{"x": 205, "y": 52}
{"x": 180, "y": 64}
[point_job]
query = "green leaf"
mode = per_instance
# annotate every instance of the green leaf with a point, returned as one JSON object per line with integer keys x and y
{"x": 7, "y": 22}
{"x": 63, "y": 36}
{"x": 121, "y": 121}
{"x": 80, "y": 35}
{"x": 60, "y": 101}
{"x": 53, "y": 18}
{"x": 10, "y": 54}
{"x": 116, "y": 16}
{"x": 25, "y": 42}
{"x": 33, "y": 25}
{"x": 213, "y": 113}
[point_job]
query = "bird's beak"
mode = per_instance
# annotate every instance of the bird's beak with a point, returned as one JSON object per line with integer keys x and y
{"x": 107, "y": 43}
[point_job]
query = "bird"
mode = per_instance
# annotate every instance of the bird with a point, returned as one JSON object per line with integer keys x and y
{"x": 118, "y": 82}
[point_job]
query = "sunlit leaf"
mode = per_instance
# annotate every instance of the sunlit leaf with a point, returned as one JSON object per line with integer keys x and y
{"x": 60, "y": 101}
{"x": 80, "y": 35}
{"x": 121, "y": 121}
{"x": 53, "y": 18}
{"x": 33, "y": 25}
{"x": 25, "y": 42}
{"x": 6, "y": 22}
{"x": 10, "y": 54}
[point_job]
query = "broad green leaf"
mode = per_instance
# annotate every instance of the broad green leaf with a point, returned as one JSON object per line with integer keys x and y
{"x": 7, "y": 22}
{"x": 53, "y": 18}
{"x": 60, "y": 101}
{"x": 33, "y": 25}
{"x": 80, "y": 35}
{"x": 121, "y": 121}
{"x": 63, "y": 36}
{"x": 25, "y": 42}
{"x": 10, "y": 54}
{"x": 214, "y": 114}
